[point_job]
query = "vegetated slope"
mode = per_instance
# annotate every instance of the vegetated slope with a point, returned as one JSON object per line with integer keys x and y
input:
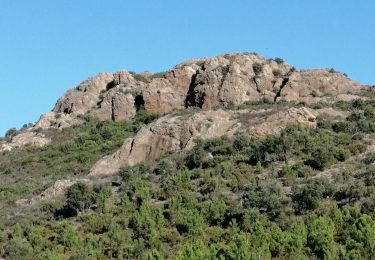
{"x": 228, "y": 176}
{"x": 30, "y": 170}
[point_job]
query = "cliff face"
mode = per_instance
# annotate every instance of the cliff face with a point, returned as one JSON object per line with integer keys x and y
{"x": 229, "y": 79}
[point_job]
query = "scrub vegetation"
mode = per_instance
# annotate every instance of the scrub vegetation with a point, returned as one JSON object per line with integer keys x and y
{"x": 306, "y": 193}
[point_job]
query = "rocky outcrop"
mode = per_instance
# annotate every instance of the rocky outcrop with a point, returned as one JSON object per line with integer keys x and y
{"x": 224, "y": 80}
{"x": 78, "y": 101}
{"x": 175, "y": 133}
{"x": 57, "y": 189}
{"x": 234, "y": 79}
{"x": 162, "y": 95}
{"x": 25, "y": 138}
{"x": 229, "y": 79}
{"x": 167, "y": 134}
{"x": 117, "y": 105}
{"x": 312, "y": 86}
{"x": 57, "y": 120}
{"x": 121, "y": 100}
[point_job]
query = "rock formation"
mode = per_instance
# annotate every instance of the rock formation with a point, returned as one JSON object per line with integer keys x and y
{"x": 175, "y": 133}
{"x": 229, "y": 79}
{"x": 207, "y": 84}
{"x": 78, "y": 101}
{"x": 224, "y": 80}
{"x": 23, "y": 139}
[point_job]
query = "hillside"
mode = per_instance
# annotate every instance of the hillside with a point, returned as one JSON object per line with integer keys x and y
{"x": 230, "y": 157}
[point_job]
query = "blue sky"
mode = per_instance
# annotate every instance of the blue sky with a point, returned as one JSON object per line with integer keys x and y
{"x": 49, "y": 46}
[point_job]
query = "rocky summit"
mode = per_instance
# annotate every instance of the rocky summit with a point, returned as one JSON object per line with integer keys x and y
{"x": 225, "y": 80}
{"x": 230, "y": 157}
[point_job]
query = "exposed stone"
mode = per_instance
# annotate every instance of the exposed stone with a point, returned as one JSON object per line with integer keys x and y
{"x": 332, "y": 113}
{"x": 167, "y": 134}
{"x": 57, "y": 120}
{"x": 80, "y": 100}
{"x": 123, "y": 78}
{"x": 313, "y": 85}
{"x": 278, "y": 120}
{"x": 162, "y": 95}
{"x": 57, "y": 189}
{"x": 117, "y": 105}
{"x": 25, "y": 138}
{"x": 229, "y": 79}
{"x": 174, "y": 133}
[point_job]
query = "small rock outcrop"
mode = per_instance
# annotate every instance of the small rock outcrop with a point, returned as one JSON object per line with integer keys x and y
{"x": 57, "y": 189}
{"x": 57, "y": 120}
{"x": 311, "y": 86}
{"x": 78, "y": 101}
{"x": 24, "y": 138}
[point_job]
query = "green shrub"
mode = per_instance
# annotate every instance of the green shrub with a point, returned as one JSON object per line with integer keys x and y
{"x": 289, "y": 171}
{"x": 277, "y": 73}
{"x": 10, "y": 133}
{"x": 257, "y": 68}
{"x": 140, "y": 77}
{"x": 158, "y": 75}
{"x": 343, "y": 127}
{"x": 320, "y": 158}
{"x": 79, "y": 196}
{"x": 269, "y": 198}
{"x": 216, "y": 211}
{"x": 143, "y": 117}
{"x": 332, "y": 70}
{"x": 279, "y": 60}
{"x": 309, "y": 195}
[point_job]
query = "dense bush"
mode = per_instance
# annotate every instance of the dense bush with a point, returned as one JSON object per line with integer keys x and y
{"x": 257, "y": 68}
{"x": 279, "y": 60}
{"x": 277, "y": 73}
{"x": 10, "y": 133}
{"x": 79, "y": 196}
{"x": 309, "y": 195}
